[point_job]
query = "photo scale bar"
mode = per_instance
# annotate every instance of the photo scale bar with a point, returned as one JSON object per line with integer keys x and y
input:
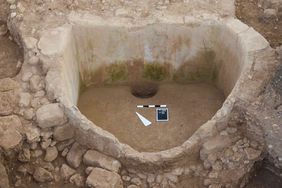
{"x": 152, "y": 106}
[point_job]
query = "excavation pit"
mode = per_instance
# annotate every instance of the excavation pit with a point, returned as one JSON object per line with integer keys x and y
{"x": 144, "y": 89}
{"x": 200, "y": 69}
{"x": 159, "y": 62}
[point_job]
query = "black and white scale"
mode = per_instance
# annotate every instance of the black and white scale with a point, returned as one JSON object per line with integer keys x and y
{"x": 162, "y": 114}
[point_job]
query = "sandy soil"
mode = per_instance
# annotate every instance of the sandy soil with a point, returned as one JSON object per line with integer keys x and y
{"x": 10, "y": 54}
{"x": 113, "y": 108}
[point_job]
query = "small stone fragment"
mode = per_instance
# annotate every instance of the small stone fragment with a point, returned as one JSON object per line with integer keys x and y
{"x": 136, "y": 181}
{"x": 24, "y": 155}
{"x": 25, "y": 99}
{"x": 270, "y": 13}
{"x": 132, "y": 186}
{"x": 42, "y": 175}
{"x": 62, "y": 145}
{"x": 30, "y": 42}
{"x": 66, "y": 172}
{"x": 45, "y": 144}
{"x": 35, "y": 83}
{"x": 252, "y": 154}
{"x": 65, "y": 152}
{"x": 77, "y": 180}
{"x": 51, "y": 154}
{"x": 36, "y": 153}
{"x": 88, "y": 170}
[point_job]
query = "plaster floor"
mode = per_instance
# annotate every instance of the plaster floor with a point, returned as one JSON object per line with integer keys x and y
{"x": 113, "y": 109}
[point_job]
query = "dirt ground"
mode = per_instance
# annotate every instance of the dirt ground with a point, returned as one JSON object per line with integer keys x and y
{"x": 267, "y": 176}
{"x": 249, "y": 12}
{"x": 189, "y": 106}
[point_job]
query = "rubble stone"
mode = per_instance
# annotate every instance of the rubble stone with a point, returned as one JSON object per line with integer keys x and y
{"x": 66, "y": 172}
{"x": 252, "y": 154}
{"x": 75, "y": 154}
{"x": 4, "y": 180}
{"x": 45, "y": 144}
{"x": 77, "y": 180}
{"x": 100, "y": 178}
{"x": 10, "y": 128}
{"x": 24, "y": 155}
{"x": 50, "y": 115}
{"x": 36, "y": 83}
{"x": 42, "y": 175}
{"x": 94, "y": 158}
{"x": 132, "y": 186}
{"x": 64, "y": 132}
{"x": 51, "y": 154}
{"x": 213, "y": 145}
{"x": 25, "y": 99}
{"x": 30, "y": 42}
{"x": 270, "y": 13}
{"x": 7, "y": 101}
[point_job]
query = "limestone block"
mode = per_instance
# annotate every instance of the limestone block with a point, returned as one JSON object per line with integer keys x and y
{"x": 52, "y": 41}
{"x": 10, "y": 128}
{"x": 51, "y": 154}
{"x": 94, "y": 158}
{"x": 75, "y": 154}
{"x": 100, "y": 178}
{"x": 50, "y": 115}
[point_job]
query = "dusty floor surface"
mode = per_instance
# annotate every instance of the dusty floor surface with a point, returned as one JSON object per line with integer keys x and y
{"x": 189, "y": 106}
{"x": 10, "y": 54}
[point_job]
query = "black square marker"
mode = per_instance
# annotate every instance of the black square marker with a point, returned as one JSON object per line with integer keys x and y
{"x": 162, "y": 114}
